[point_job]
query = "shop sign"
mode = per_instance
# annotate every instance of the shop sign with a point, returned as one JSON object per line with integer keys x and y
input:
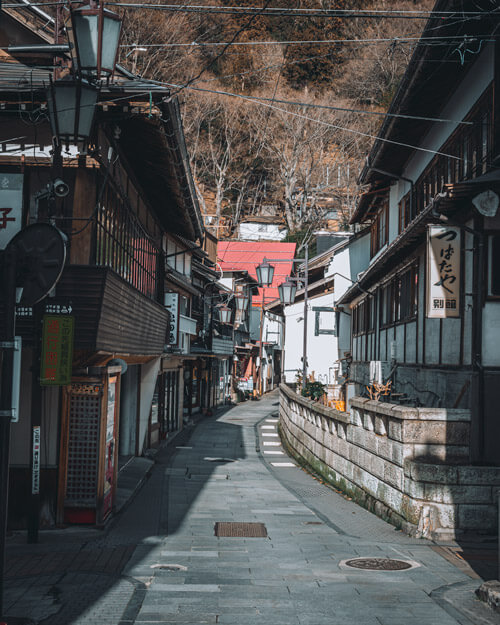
{"x": 245, "y": 384}
{"x": 172, "y": 305}
{"x": 35, "y": 473}
{"x": 11, "y": 206}
{"x": 443, "y": 272}
{"x": 57, "y": 350}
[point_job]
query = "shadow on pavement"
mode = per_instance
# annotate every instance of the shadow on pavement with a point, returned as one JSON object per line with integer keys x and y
{"x": 74, "y": 576}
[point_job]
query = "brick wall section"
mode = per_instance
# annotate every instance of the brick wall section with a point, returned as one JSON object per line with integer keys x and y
{"x": 409, "y": 465}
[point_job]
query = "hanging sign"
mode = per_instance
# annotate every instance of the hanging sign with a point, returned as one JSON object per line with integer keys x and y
{"x": 443, "y": 272}
{"x": 172, "y": 305}
{"x": 35, "y": 473}
{"x": 11, "y": 206}
{"x": 57, "y": 350}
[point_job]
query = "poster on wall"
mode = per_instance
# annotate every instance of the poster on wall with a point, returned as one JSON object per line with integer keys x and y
{"x": 11, "y": 206}
{"x": 443, "y": 272}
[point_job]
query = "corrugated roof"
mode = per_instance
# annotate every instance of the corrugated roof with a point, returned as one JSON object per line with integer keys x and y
{"x": 19, "y": 77}
{"x": 246, "y": 255}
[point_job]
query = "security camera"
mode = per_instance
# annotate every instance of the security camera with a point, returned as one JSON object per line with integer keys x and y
{"x": 61, "y": 189}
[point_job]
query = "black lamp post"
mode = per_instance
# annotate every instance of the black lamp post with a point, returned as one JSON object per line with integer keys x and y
{"x": 265, "y": 274}
{"x": 96, "y": 34}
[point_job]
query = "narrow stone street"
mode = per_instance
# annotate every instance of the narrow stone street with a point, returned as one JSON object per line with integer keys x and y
{"x": 233, "y": 470}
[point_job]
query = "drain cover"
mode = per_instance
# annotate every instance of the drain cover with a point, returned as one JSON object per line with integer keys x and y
{"x": 208, "y": 459}
{"x": 240, "y": 530}
{"x": 378, "y": 564}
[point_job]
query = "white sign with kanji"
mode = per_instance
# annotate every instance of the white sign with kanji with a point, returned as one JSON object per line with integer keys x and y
{"x": 443, "y": 272}
{"x": 11, "y": 206}
{"x": 172, "y": 305}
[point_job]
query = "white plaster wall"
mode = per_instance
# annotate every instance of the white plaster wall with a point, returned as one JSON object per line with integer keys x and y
{"x": 227, "y": 282}
{"x": 261, "y": 232}
{"x": 322, "y": 350}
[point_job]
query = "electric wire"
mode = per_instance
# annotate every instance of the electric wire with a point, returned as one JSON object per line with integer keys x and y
{"x": 446, "y": 39}
{"x": 280, "y": 11}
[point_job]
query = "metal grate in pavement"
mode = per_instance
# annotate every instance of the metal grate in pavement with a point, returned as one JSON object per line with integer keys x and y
{"x": 378, "y": 564}
{"x": 240, "y": 530}
{"x": 309, "y": 491}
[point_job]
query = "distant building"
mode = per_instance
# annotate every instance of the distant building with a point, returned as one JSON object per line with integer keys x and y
{"x": 262, "y": 228}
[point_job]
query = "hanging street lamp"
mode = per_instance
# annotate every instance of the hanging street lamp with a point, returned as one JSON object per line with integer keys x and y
{"x": 95, "y": 34}
{"x": 71, "y": 105}
{"x": 265, "y": 273}
{"x": 287, "y": 291}
{"x": 241, "y": 300}
{"x": 225, "y": 314}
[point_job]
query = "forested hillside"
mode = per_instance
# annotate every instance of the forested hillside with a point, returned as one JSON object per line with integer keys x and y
{"x": 279, "y": 110}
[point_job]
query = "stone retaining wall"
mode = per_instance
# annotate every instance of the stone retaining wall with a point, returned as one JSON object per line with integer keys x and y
{"x": 409, "y": 465}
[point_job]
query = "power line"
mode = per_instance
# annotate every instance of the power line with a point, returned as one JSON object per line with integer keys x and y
{"x": 446, "y": 39}
{"x": 324, "y": 123}
{"x": 321, "y": 106}
{"x": 221, "y": 53}
{"x": 282, "y": 11}
{"x": 308, "y": 12}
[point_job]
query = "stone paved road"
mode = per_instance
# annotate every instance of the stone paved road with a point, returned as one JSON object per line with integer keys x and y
{"x": 233, "y": 469}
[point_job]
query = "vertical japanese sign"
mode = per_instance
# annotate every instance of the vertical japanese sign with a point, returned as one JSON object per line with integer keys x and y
{"x": 11, "y": 206}
{"x": 172, "y": 305}
{"x": 57, "y": 350}
{"x": 35, "y": 473}
{"x": 443, "y": 272}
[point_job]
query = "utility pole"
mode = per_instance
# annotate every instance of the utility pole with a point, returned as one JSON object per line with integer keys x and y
{"x": 8, "y": 347}
{"x": 304, "y": 343}
{"x": 261, "y": 351}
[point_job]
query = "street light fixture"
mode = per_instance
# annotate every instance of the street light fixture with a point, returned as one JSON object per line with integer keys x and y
{"x": 225, "y": 314}
{"x": 241, "y": 300}
{"x": 96, "y": 35}
{"x": 265, "y": 273}
{"x": 287, "y": 291}
{"x": 71, "y": 106}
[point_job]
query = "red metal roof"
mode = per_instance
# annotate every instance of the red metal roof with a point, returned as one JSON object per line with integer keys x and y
{"x": 246, "y": 255}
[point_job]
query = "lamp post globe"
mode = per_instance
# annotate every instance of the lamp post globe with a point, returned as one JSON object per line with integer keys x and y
{"x": 287, "y": 291}
{"x": 96, "y": 33}
{"x": 265, "y": 273}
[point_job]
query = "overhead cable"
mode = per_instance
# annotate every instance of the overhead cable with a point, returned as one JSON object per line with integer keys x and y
{"x": 281, "y": 11}
{"x": 328, "y": 124}
{"x": 447, "y": 39}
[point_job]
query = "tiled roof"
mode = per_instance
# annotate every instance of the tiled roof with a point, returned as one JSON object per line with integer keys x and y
{"x": 246, "y": 255}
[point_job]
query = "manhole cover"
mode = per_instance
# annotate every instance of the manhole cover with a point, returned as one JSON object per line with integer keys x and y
{"x": 240, "y": 530}
{"x": 313, "y": 523}
{"x": 378, "y": 564}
